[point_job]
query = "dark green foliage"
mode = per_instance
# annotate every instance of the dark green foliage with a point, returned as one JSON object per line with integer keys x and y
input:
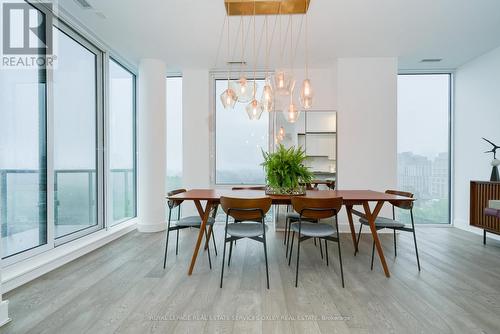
{"x": 285, "y": 168}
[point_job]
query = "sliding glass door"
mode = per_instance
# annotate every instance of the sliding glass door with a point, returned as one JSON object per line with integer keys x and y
{"x": 424, "y": 113}
{"x": 23, "y": 155}
{"x": 76, "y": 124}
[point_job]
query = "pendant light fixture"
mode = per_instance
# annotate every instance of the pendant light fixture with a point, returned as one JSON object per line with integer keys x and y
{"x": 291, "y": 113}
{"x": 228, "y": 97}
{"x": 241, "y": 86}
{"x": 283, "y": 80}
{"x": 254, "y": 108}
{"x": 306, "y": 92}
{"x": 267, "y": 92}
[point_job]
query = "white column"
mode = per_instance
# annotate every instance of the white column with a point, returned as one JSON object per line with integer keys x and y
{"x": 151, "y": 158}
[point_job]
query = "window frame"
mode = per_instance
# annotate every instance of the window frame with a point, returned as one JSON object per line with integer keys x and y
{"x": 109, "y": 222}
{"x": 103, "y": 52}
{"x": 451, "y": 112}
{"x": 222, "y": 75}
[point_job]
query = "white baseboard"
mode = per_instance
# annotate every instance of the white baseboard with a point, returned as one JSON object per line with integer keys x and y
{"x": 4, "y": 312}
{"x": 464, "y": 225}
{"x": 24, "y": 271}
{"x": 151, "y": 228}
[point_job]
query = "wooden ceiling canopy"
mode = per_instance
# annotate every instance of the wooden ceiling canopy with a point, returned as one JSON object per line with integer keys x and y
{"x": 266, "y": 7}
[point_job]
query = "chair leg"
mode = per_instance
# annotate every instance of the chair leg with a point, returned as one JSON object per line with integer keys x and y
{"x": 320, "y": 248}
{"x": 326, "y": 251}
{"x": 288, "y": 239}
{"x": 265, "y": 256}
{"x": 177, "y": 244}
{"x": 297, "y": 268}
{"x": 230, "y": 253}
{"x": 286, "y": 228}
{"x": 316, "y": 244}
{"x": 208, "y": 251}
{"x": 415, "y": 238}
{"x": 223, "y": 260}
{"x": 373, "y": 253}
{"x": 213, "y": 240}
{"x": 395, "y": 248}
{"x": 359, "y": 237}
{"x": 340, "y": 259}
{"x": 166, "y": 249}
{"x": 291, "y": 249}
{"x": 416, "y": 249}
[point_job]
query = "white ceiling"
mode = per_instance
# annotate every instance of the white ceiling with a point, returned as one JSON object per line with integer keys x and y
{"x": 186, "y": 33}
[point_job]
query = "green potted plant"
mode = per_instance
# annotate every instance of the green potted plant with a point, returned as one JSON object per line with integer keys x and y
{"x": 285, "y": 171}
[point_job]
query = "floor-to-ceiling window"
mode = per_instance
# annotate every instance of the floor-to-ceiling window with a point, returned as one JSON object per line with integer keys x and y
{"x": 52, "y": 148}
{"x": 239, "y": 141}
{"x": 174, "y": 132}
{"x": 23, "y": 159}
{"x": 77, "y": 167}
{"x": 122, "y": 158}
{"x": 424, "y": 111}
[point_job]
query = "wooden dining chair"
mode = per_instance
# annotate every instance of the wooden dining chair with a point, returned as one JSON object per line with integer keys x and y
{"x": 251, "y": 213}
{"x": 317, "y": 209}
{"x": 395, "y": 225}
{"x": 186, "y": 222}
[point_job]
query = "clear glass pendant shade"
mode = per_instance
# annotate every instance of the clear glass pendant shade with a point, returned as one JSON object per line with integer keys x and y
{"x": 267, "y": 98}
{"x": 228, "y": 98}
{"x": 284, "y": 82}
{"x": 306, "y": 94}
{"x": 254, "y": 110}
{"x": 291, "y": 113}
{"x": 243, "y": 89}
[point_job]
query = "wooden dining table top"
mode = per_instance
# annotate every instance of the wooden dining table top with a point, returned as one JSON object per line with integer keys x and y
{"x": 347, "y": 195}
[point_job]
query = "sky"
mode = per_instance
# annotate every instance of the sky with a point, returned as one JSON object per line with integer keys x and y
{"x": 423, "y": 114}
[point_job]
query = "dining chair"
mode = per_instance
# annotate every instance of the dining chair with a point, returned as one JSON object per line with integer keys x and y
{"x": 293, "y": 217}
{"x": 251, "y": 213}
{"x": 395, "y": 225}
{"x": 186, "y": 222}
{"x": 316, "y": 208}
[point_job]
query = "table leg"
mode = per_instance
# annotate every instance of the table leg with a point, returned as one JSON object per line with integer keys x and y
{"x": 351, "y": 226}
{"x": 204, "y": 214}
{"x": 371, "y": 216}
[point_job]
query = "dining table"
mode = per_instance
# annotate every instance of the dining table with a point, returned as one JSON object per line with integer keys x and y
{"x": 350, "y": 198}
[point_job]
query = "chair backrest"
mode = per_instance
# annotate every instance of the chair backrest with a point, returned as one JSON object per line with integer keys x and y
{"x": 242, "y": 209}
{"x": 331, "y": 184}
{"x": 407, "y": 205}
{"x": 317, "y": 208}
{"x": 249, "y": 188}
{"x": 175, "y": 203}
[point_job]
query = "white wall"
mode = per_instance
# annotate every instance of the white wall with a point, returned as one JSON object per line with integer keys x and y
{"x": 477, "y": 114}
{"x": 367, "y": 123}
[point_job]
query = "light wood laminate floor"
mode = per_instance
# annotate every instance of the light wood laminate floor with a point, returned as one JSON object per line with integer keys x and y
{"x": 122, "y": 288}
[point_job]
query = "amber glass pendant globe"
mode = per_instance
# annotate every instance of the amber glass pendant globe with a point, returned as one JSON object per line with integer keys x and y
{"x": 243, "y": 89}
{"x": 267, "y": 98}
{"x": 291, "y": 113}
{"x": 254, "y": 110}
{"x": 306, "y": 94}
{"x": 283, "y": 82}
{"x": 228, "y": 98}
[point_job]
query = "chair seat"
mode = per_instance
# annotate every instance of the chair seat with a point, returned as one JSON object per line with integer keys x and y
{"x": 492, "y": 212}
{"x": 383, "y": 222}
{"x": 193, "y": 221}
{"x": 294, "y": 216}
{"x": 245, "y": 230}
{"x": 314, "y": 229}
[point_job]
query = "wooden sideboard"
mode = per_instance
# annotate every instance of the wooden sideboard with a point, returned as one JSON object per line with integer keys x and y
{"x": 481, "y": 192}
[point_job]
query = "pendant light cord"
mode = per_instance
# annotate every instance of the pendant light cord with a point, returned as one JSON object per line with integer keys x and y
{"x": 254, "y": 54}
{"x": 307, "y": 48}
